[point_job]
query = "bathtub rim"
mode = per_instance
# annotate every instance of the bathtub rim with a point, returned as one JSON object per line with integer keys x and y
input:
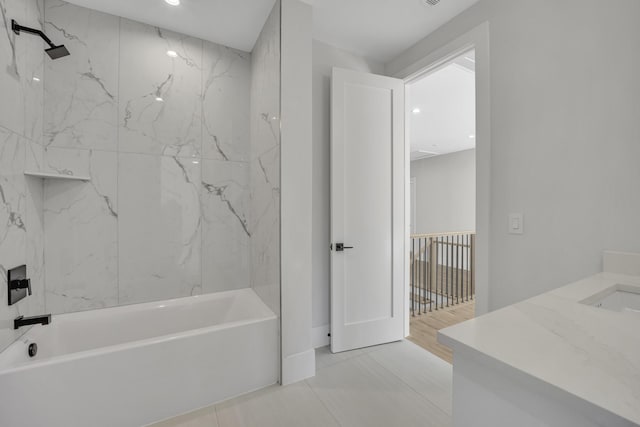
{"x": 100, "y": 311}
{"x": 70, "y": 357}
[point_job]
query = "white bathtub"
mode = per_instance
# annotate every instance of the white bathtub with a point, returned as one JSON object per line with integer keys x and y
{"x": 132, "y": 365}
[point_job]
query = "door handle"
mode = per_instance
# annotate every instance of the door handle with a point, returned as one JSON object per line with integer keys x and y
{"x": 340, "y": 247}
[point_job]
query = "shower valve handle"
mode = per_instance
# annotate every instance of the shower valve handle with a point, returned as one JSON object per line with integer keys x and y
{"x": 21, "y": 284}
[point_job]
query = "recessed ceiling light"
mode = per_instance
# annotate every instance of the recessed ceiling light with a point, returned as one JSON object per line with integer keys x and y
{"x": 172, "y": 54}
{"x": 159, "y": 99}
{"x": 173, "y": 2}
{"x": 36, "y": 79}
{"x": 471, "y": 136}
{"x": 416, "y": 111}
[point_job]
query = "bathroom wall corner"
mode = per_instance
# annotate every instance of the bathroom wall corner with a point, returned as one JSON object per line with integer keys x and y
{"x": 298, "y": 357}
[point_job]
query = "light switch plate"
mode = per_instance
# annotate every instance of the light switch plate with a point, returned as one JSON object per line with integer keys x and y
{"x": 516, "y": 223}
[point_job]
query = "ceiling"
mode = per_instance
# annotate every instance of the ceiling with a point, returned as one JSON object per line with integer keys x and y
{"x": 375, "y": 29}
{"x": 445, "y": 99}
{"x": 233, "y": 23}
{"x": 380, "y": 29}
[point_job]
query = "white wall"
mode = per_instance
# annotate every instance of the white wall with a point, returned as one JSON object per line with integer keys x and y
{"x": 265, "y": 162}
{"x": 325, "y": 57}
{"x": 564, "y": 97}
{"x": 445, "y": 192}
{"x": 298, "y": 356}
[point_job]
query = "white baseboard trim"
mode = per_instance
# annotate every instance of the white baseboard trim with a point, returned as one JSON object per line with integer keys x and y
{"x": 298, "y": 367}
{"x": 320, "y": 336}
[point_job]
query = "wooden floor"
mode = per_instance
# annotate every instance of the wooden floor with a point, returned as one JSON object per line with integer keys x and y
{"x": 424, "y": 328}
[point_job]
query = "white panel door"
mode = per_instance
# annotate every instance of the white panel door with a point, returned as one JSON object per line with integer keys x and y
{"x": 367, "y": 209}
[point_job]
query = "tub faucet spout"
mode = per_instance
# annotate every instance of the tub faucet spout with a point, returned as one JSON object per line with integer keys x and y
{"x": 21, "y": 321}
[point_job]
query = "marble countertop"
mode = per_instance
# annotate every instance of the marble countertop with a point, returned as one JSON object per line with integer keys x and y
{"x": 589, "y": 352}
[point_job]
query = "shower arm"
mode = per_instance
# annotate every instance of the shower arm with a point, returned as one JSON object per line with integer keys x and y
{"x": 17, "y": 28}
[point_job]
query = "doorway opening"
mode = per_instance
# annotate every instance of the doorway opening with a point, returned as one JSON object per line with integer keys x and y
{"x": 441, "y": 133}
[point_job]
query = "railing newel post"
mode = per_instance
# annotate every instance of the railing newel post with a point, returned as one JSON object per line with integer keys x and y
{"x": 473, "y": 264}
{"x": 457, "y": 270}
{"x": 412, "y": 278}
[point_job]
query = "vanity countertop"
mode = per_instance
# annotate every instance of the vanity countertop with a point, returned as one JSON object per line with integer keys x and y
{"x": 589, "y": 352}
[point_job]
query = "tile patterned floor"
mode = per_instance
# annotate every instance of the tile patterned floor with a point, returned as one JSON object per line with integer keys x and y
{"x": 397, "y": 384}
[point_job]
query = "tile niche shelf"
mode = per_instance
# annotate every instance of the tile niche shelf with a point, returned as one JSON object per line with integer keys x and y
{"x": 53, "y": 175}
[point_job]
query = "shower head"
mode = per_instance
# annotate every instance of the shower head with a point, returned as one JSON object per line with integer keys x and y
{"x": 57, "y": 52}
{"x": 54, "y": 51}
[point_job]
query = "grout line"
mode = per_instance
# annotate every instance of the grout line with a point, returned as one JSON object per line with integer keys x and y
{"x": 41, "y": 165}
{"x": 384, "y": 368}
{"x": 240, "y": 162}
{"x": 354, "y": 354}
{"x": 435, "y": 362}
{"x": 234, "y": 162}
{"x": 435, "y": 405}
{"x": 201, "y": 192}
{"x": 118, "y": 99}
{"x": 215, "y": 412}
{"x": 338, "y": 362}
{"x": 322, "y": 403}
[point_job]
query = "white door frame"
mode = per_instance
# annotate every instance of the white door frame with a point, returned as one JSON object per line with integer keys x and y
{"x": 412, "y": 200}
{"x": 477, "y": 39}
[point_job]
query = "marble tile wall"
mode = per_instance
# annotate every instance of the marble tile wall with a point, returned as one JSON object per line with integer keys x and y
{"x": 21, "y": 62}
{"x": 81, "y": 226}
{"x": 160, "y": 229}
{"x": 21, "y": 103}
{"x": 165, "y": 140}
{"x": 265, "y": 163}
{"x": 81, "y": 90}
{"x": 173, "y": 126}
{"x": 184, "y": 164}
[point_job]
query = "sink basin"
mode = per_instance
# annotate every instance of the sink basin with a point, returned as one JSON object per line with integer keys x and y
{"x": 617, "y": 298}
